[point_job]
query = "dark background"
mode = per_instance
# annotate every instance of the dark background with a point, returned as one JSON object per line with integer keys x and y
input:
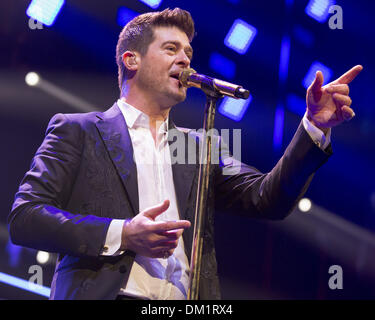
{"x": 257, "y": 260}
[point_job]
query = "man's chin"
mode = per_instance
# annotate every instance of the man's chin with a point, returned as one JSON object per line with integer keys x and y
{"x": 178, "y": 97}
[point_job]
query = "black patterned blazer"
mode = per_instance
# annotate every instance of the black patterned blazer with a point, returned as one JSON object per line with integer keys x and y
{"x": 83, "y": 176}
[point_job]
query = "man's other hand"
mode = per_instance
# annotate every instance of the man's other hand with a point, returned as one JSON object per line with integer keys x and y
{"x": 150, "y": 238}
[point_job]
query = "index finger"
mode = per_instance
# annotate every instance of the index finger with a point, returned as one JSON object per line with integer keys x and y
{"x": 350, "y": 75}
{"x": 172, "y": 234}
{"x": 162, "y": 226}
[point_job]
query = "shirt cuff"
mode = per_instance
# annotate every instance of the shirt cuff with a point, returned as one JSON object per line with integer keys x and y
{"x": 317, "y": 135}
{"x": 113, "y": 238}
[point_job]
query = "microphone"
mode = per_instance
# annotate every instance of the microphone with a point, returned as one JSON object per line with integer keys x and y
{"x": 190, "y": 78}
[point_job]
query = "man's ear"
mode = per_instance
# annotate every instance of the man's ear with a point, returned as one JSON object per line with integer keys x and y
{"x": 130, "y": 60}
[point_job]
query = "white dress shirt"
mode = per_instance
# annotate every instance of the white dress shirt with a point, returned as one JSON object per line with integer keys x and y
{"x": 150, "y": 278}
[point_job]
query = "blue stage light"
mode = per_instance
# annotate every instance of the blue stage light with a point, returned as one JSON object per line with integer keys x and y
{"x": 318, "y": 9}
{"x": 240, "y": 36}
{"x": 124, "y": 15}
{"x": 234, "y": 108}
{"x": 222, "y": 65}
{"x": 284, "y": 59}
{"x": 278, "y": 128}
{"x": 44, "y": 11}
{"x": 310, "y": 76}
{"x": 152, "y": 3}
{"x": 24, "y": 284}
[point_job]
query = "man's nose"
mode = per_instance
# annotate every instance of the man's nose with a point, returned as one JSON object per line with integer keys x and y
{"x": 183, "y": 59}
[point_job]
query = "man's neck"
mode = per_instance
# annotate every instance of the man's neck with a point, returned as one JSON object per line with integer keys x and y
{"x": 144, "y": 102}
{"x": 156, "y": 114}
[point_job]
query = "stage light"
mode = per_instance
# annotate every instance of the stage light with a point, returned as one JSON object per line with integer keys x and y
{"x": 24, "y": 284}
{"x": 42, "y": 257}
{"x": 222, "y": 65}
{"x": 152, "y": 3}
{"x": 310, "y": 76}
{"x": 240, "y": 36}
{"x": 32, "y": 79}
{"x": 234, "y": 108}
{"x": 304, "y": 205}
{"x": 284, "y": 59}
{"x": 124, "y": 15}
{"x": 318, "y": 9}
{"x": 278, "y": 128}
{"x": 44, "y": 11}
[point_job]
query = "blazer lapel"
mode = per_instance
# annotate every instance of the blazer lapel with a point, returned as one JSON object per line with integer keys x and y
{"x": 114, "y": 132}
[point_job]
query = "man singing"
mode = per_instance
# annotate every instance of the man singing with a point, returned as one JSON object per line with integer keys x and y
{"x": 103, "y": 194}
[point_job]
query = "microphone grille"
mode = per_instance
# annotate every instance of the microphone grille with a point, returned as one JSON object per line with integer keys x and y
{"x": 184, "y": 76}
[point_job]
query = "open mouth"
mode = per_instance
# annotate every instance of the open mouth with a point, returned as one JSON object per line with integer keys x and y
{"x": 176, "y": 76}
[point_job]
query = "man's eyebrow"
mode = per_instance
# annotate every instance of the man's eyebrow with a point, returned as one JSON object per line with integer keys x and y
{"x": 189, "y": 49}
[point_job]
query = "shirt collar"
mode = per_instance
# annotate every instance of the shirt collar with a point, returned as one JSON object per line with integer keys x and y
{"x": 136, "y": 118}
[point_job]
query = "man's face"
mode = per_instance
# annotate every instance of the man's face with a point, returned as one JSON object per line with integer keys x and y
{"x": 167, "y": 55}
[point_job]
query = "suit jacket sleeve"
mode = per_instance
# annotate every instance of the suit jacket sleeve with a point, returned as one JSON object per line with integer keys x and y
{"x": 37, "y": 219}
{"x": 271, "y": 195}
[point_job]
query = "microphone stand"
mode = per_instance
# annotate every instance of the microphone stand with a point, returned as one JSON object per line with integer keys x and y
{"x": 212, "y": 96}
